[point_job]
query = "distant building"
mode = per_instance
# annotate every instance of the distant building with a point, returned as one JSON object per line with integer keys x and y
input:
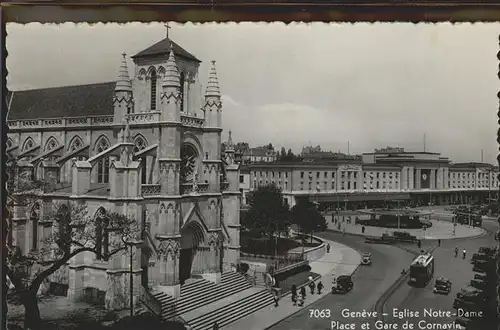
{"x": 258, "y": 155}
{"x": 386, "y": 174}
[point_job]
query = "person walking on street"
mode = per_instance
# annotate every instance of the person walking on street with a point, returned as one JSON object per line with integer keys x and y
{"x": 464, "y": 253}
{"x": 312, "y": 286}
{"x": 363, "y": 229}
{"x": 276, "y": 298}
{"x": 456, "y": 251}
{"x": 303, "y": 292}
{"x": 320, "y": 287}
{"x": 328, "y": 248}
{"x": 294, "y": 294}
{"x": 439, "y": 242}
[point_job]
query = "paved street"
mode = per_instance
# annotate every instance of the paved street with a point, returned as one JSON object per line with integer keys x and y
{"x": 459, "y": 271}
{"x": 369, "y": 283}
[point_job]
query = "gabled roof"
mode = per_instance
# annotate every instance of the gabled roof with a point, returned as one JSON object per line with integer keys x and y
{"x": 163, "y": 48}
{"x": 67, "y": 101}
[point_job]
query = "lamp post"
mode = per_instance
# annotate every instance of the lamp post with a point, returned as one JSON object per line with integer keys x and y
{"x": 131, "y": 243}
{"x": 399, "y": 217}
{"x": 131, "y": 282}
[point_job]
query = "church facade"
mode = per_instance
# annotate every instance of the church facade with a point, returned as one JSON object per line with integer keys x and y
{"x": 148, "y": 147}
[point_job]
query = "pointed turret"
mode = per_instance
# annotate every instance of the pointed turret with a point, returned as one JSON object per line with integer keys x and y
{"x": 213, "y": 104}
{"x": 213, "y": 83}
{"x": 172, "y": 76}
{"x": 123, "y": 84}
{"x": 123, "y": 101}
{"x": 170, "y": 97}
{"x": 230, "y": 150}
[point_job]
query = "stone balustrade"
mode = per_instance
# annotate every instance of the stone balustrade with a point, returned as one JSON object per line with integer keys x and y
{"x": 28, "y": 124}
{"x": 134, "y": 118}
{"x": 150, "y": 189}
{"x": 144, "y": 117}
{"x": 192, "y": 121}
{"x": 188, "y": 188}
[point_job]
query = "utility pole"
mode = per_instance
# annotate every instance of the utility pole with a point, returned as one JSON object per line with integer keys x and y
{"x": 424, "y": 143}
{"x": 481, "y": 155}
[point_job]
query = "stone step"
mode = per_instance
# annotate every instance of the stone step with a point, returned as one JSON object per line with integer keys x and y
{"x": 233, "y": 311}
{"x": 229, "y": 286}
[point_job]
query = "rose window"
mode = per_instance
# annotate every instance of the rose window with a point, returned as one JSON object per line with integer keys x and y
{"x": 189, "y": 158}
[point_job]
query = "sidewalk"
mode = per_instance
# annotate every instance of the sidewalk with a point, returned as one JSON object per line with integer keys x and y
{"x": 342, "y": 260}
{"x": 439, "y": 230}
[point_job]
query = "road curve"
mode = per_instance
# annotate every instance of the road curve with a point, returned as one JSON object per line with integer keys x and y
{"x": 458, "y": 270}
{"x": 370, "y": 282}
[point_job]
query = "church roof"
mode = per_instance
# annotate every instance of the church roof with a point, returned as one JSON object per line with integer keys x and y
{"x": 67, "y": 101}
{"x": 163, "y": 48}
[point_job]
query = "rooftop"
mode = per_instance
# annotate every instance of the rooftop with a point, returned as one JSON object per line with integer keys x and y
{"x": 56, "y": 102}
{"x": 162, "y": 47}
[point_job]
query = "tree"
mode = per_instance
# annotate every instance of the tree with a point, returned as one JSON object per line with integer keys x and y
{"x": 270, "y": 146}
{"x": 268, "y": 214}
{"x": 74, "y": 232}
{"x": 282, "y": 154}
{"x": 306, "y": 216}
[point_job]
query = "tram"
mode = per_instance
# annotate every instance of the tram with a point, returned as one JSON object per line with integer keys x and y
{"x": 421, "y": 270}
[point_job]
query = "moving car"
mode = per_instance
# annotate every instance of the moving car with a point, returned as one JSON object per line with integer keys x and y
{"x": 342, "y": 284}
{"x": 366, "y": 259}
{"x": 442, "y": 285}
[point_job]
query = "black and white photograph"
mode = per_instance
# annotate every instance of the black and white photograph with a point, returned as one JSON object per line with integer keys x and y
{"x": 252, "y": 176}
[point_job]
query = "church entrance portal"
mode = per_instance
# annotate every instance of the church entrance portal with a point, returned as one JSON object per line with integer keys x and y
{"x": 191, "y": 251}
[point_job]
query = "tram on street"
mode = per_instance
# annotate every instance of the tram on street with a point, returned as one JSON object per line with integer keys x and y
{"x": 421, "y": 270}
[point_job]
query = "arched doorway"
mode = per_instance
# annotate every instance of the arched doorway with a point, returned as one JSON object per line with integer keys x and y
{"x": 192, "y": 239}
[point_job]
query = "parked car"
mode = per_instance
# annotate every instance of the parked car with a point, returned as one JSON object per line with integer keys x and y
{"x": 478, "y": 284}
{"x": 366, "y": 259}
{"x": 477, "y": 257}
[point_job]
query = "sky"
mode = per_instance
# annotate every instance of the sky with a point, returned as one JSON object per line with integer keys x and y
{"x": 363, "y": 85}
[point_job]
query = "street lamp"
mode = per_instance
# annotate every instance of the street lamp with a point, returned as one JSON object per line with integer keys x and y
{"x": 132, "y": 243}
{"x": 399, "y": 217}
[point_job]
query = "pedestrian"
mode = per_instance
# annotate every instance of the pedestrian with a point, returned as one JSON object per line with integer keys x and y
{"x": 294, "y": 290}
{"x": 343, "y": 231}
{"x": 320, "y": 287}
{"x": 464, "y": 254}
{"x": 312, "y": 286}
{"x": 276, "y": 298}
{"x": 303, "y": 292}
{"x": 363, "y": 229}
{"x": 328, "y": 248}
{"x": 439, "y": 242}
{"x": 216, "y": 326}
{"x": 301, "y": 301}
{"x": 456, "y": 251}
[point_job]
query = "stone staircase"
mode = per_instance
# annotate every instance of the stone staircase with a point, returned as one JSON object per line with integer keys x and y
{"x": 199, "y": 293}
{"x": 233, "y": 310}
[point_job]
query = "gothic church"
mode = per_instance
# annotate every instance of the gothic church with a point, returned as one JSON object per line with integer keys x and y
{"x": 148, "y": 147}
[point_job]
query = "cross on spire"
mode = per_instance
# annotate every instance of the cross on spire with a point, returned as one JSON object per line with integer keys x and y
{"x": 167, "y": 27}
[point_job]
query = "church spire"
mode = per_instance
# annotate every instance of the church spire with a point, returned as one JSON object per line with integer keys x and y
{"x": 230, "y": 143}
{"x": 213, "y": 83}
{"x": 123, "y": 84}
{"x": 172, "y": 77}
